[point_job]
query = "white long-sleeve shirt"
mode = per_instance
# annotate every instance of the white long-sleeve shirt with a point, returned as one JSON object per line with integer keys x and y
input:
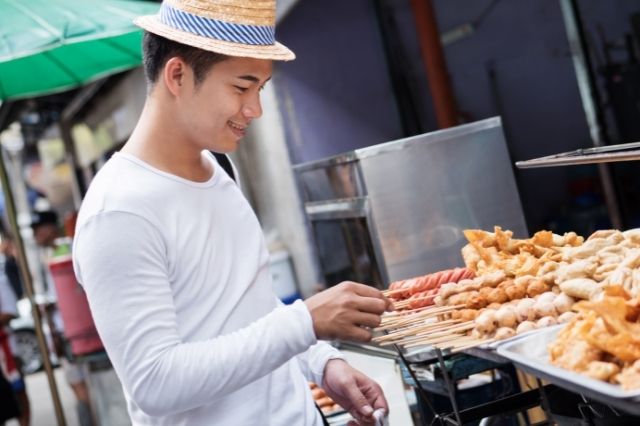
{"x": 177, "y": 277}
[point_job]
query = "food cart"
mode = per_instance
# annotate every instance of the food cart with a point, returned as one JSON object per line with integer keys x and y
{"x": 388, "y": 214}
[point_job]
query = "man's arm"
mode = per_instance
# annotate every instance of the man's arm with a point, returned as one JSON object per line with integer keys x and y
{"x": 120, "y": 259}
{"x": 313, "y": 361}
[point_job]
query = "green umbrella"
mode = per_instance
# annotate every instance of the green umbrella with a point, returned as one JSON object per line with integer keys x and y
{"x": 48, "y": 46}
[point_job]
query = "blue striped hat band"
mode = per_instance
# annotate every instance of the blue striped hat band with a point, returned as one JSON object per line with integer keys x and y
{"x": 257, "y": 35}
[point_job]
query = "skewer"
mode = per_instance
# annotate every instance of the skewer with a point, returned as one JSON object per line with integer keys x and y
{"x": 430, "y": 335}
{"x": 390, "y": 293}
{"x": 407, "y": 321}
{"x": 440, "y": 342}
{"x": 424, "y": 339}
{"x": 402, "y": 322}
{"x": 428, "y": 310}
{"x": 407, "y": 302}
{"x": 435, "y": 326}
{"x": 400, "y": 313}
{"x": 472, "y": 345}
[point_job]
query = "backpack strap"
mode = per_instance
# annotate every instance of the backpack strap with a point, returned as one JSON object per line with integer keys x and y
{"x": 225, "y": 163}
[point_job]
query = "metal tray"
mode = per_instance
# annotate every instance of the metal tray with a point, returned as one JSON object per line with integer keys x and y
{"x": 530, "y": 353}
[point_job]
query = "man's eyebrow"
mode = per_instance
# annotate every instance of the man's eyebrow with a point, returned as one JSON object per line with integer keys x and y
{"x": 252, "y": 78}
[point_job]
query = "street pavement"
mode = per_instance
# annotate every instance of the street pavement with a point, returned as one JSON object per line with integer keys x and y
{"x": 42, "y": 412}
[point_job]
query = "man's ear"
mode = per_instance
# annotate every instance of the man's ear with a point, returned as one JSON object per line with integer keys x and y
{"x": 175, "y": 74}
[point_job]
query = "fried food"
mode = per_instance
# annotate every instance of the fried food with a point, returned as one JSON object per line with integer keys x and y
{"x": 515, "y": 291}
{"x": 524, "y": 310}
{"x": 525, "y": 326}
{"x": 497, "y": 295}
{"x": 580, "y": 288}
{"x": 563, "y": 303}
{"x": 546, "y": 322}
{"x": 506, "y": 317}
{"x": 603, "y": 340}
{"x": 504, "y": 333}
{"x": 566, "y": 317}
{"x": 486, "y": 321}
{"x": 601, "y": 370}
{"x": 536, "y": 287}
{"x": 544, "y": 308}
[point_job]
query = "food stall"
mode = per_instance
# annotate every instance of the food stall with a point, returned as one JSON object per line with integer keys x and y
{"x": 491, "y": 296}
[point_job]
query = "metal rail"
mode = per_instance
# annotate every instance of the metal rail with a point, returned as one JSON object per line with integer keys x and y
{"x": 606, "y": 154}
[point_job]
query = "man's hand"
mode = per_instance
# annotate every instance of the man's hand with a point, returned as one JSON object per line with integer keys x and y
{"x": 343, "y": 311}
{"x": 353, "y": 391}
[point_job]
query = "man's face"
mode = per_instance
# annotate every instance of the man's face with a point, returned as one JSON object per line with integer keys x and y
{"x": 217, "y": 113}
{"x": 45, "y": 234}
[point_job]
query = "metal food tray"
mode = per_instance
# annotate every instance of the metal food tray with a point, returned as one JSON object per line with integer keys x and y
{"x": 530, "y": 354}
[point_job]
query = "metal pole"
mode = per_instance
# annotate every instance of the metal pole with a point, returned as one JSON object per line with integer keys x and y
{"x": 435, "y": 64}
{"x": 28, "y": 286}
{"x": 590, "y": 101}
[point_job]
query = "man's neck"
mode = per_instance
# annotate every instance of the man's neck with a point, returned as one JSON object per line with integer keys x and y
{"x": 157, "y": 141}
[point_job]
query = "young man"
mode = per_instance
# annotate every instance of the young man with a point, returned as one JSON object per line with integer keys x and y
{"x": 173, "y": 260}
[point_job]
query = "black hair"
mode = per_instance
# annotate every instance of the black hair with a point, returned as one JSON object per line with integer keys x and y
{"x": 157, "y": 50}
{"x": 47, "y": 217}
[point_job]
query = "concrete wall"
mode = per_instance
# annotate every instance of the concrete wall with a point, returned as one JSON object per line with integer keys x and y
{"x": 336, "y": 96}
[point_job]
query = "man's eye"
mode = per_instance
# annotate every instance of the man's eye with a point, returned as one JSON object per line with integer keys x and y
{"x": 241, "y": 89}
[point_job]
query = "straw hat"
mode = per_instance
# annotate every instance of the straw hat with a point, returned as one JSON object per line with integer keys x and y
{"x": 243, "y": 28}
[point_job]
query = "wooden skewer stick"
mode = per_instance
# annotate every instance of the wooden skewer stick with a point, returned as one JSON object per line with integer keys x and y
{"x": 442, "y": 341}
{"x": 394, "y": 291}
{"x": 423, "y": 339}
{"x": 426, "y": 309}
{"x": 430, "y": 336}
{"x": 405, "y": 322}
{"x": 407, "y": 302}
{"x": 396, "y": 322}
{"x": 436, "y": 341}
{"x": 461, "y": 342}
{"x": 418, "y": 322}
{"x": 472, "y": 345}
{"x": 449, "y": 331}
{"x": 400, "y": 313}
{"x": 441, "y": 309}
{"x": 434, "y": 326}
{"x": 422, "y": 333}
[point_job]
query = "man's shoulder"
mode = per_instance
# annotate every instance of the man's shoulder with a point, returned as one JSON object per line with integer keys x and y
{"x": 118, "y": 186}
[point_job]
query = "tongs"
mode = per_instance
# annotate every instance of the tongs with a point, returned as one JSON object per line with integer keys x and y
{"x": 600, "y": 154}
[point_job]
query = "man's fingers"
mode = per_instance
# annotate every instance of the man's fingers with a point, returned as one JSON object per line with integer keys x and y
{"x": 359, "y": 402}
{"x": 365, "y": 290}
{"x": 358, "y": 334}
{"x": 390, "y": 306}
{"x": 370, "y": 304}
{"x": 376, "y": 396}
{"x": 373, "y": 293}
{"x": 367, "y": 320}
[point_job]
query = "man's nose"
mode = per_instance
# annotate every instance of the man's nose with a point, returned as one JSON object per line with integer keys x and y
{"x": 252, "y": 108}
